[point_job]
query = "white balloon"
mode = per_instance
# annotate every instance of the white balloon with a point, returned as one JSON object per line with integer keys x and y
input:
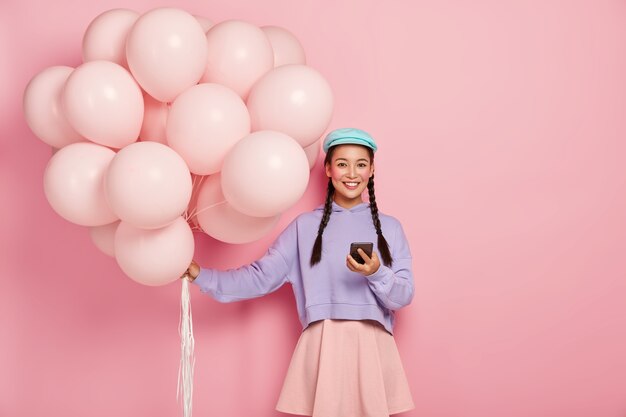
{"x": 220, "y": 220}
{"x": 43, "y": 108}
{"x": 312, "y": 152}
{"x": 154, "y": 257}
{"x": 73, "y": 183}
{"x": 104, "y": 237}
{"x": 265, "y": 173}
{"x": 105, "y": 37}
{"x": 148, "y": 185}
{"x": 287, "y": 48}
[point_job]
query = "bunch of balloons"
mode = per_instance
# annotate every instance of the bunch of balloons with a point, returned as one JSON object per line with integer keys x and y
{"x": 174, "y": 124}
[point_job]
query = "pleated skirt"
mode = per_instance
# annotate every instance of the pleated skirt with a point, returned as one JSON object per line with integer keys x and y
{"x": 345, "y": 368}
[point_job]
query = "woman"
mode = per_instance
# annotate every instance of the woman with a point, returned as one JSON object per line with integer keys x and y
{"x": 346, "y": 363}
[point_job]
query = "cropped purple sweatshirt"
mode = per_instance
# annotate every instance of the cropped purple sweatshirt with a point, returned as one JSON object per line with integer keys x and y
{"x": 328, "y": 290}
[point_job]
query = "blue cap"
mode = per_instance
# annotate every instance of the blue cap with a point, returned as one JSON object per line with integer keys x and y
{"x": 349, "y": 135}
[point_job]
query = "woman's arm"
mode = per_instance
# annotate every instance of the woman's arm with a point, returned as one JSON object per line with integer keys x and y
{"x": 259, "y": 278}
{"x": 393, "y": 286}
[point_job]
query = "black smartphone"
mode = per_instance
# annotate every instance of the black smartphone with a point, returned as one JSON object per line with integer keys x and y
{"x": 367, "y": 247}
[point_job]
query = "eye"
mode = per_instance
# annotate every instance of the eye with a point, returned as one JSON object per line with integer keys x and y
{"x": 341, "y": 164}
{"x": 362, "y": 165}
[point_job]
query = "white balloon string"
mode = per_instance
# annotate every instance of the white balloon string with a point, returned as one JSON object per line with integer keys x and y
{"x": 194, "y": 213}
{"x": 195, "y": 186}
{"x": 202, "y": 178}
{"x": 187, "y": 360}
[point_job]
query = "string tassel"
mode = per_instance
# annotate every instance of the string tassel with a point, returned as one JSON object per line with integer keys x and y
{"x": 187, "y": 359}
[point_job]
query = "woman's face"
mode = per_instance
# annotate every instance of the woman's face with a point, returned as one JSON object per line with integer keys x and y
{"x": 350, "y": 169}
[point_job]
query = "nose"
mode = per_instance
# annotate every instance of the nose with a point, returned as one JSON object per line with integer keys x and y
{"x": 352, "y": 172}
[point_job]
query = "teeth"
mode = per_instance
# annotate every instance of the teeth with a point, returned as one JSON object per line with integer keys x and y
{"x": 351, "y": 184}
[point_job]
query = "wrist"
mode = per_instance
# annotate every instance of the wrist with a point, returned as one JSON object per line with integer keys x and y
{"x": 375, "y": 273}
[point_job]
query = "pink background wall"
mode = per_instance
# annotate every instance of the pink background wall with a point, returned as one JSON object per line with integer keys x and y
{"x": 501, "y": 127}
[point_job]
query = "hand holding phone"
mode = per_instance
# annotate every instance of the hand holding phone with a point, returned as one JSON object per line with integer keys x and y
{"x": 367, "y": 247}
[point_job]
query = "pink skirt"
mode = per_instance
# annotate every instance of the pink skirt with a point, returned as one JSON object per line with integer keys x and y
{"x": 345, "y": 368}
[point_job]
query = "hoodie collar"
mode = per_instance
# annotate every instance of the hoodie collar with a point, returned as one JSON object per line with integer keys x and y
{"x": 336, "y": 207}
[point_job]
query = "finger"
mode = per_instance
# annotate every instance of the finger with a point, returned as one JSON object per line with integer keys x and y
{"x": 366, "y": 258}
{"x": 354, "y": 263}
{"x": 349, "y": 265}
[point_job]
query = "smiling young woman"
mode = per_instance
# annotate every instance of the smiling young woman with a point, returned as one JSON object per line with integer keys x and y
{"x": 346, "y": 362}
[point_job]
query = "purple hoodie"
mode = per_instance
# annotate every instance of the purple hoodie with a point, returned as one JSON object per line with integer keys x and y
{"x": 329, "y": 290}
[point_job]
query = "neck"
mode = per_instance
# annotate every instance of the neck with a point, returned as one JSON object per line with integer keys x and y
{"x": 347, "y": 203}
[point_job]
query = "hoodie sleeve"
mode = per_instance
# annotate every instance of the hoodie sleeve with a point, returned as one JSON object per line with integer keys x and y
{"x": 259, "y": 278}
{"x": 394, "y": 286}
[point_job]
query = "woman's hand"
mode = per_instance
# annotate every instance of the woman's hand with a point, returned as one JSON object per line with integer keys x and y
{"x": 370, "y": 266}
{"x": 192, "y": 272}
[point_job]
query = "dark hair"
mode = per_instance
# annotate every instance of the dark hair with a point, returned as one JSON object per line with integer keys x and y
{"x": 383, "y": 247}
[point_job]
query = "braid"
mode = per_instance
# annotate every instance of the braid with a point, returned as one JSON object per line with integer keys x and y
{"x": 383, "y": 247}
{"x": 316, "y": 255}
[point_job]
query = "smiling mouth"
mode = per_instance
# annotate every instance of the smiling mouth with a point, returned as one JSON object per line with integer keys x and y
{"x": 351, "y": 185}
